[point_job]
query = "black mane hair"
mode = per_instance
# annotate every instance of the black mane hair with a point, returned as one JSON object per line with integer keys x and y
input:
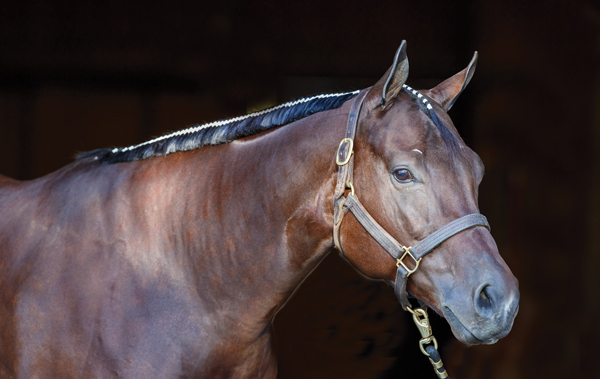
{"x": 220, "y": 132}
{"x": 449, "y": 138}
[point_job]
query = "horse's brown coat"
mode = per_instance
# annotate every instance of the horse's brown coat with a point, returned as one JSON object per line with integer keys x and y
{"x": 174, "y": 266}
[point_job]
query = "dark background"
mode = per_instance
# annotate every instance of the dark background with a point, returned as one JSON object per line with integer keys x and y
{"x": 79, "y": 75}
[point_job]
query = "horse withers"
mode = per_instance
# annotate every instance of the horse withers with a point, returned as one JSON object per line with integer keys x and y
{"x": 170, "y": 258}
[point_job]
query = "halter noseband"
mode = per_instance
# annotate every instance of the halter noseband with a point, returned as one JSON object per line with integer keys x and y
{"x": 341, "y": 204}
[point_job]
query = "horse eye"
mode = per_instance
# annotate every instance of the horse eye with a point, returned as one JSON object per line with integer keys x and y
{"x": 402, "y": 175}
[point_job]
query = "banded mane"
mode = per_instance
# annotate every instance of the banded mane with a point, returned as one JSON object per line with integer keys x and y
{"x": 228, "y": 130}
{"x": 222, "y": 131}
{"x": 449, "y": 138}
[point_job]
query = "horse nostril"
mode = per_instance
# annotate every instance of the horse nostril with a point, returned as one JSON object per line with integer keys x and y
{"x": 485, "y": 295}
{"x": 484, "y": 303}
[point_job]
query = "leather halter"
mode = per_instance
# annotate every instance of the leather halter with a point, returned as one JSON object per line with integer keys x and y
{"x": 342, "y": 204}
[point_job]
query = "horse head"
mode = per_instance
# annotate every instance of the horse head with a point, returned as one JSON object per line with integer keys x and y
{"x": 414, "y": 174}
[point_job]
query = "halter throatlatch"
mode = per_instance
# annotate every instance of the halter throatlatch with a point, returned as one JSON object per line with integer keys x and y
{"x": 402, "y": 254}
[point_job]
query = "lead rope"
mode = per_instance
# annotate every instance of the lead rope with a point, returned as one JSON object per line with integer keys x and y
{"x": 421, "y": 320}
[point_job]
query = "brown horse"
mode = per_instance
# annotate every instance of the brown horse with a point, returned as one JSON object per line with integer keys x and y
{"x": 170, "y": 258}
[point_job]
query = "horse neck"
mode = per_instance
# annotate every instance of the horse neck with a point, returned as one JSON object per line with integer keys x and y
{"x": 258, "y": 216}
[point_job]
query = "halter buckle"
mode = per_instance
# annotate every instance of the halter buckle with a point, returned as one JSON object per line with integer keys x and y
{"x": 399, "y": 261}
{"x": 340, "y": 153}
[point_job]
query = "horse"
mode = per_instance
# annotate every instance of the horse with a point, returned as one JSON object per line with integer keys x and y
{"x": 171, "y": 258}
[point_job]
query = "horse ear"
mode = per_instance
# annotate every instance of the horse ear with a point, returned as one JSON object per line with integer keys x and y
{"x": 395, "y": 75}
{"x": 448, "y": 91}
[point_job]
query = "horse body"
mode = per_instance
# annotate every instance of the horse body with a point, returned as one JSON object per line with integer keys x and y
{"x": 105, "y": 261}
{"x": 175, "y": 266}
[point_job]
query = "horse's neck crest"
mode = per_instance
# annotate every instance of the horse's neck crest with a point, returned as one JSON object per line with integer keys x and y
{"x": 222, "y": 131}
{"x": 225, "y": 131}
{"x": 216, "y": 124}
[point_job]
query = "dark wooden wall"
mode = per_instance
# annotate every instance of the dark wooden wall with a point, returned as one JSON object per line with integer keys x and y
{"x": 76, "y": 75}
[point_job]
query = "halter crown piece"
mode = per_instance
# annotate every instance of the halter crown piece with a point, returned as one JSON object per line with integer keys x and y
{"x": 342, "y": 204}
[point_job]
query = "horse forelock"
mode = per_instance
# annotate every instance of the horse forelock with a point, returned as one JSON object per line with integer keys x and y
{"x": 451, "y": 141}
{"x": 222, "y": 131}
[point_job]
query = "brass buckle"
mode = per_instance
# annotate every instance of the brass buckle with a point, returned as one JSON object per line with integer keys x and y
{"x": 399, "y": 261}
{"x": 350, "y": 152}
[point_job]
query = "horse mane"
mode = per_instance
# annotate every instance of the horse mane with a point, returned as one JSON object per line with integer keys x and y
{"x": 451, "y": 141}
{"x": 222, "y": 131}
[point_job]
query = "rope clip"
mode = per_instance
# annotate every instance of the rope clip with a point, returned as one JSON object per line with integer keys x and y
{"x": 421, "y": 320}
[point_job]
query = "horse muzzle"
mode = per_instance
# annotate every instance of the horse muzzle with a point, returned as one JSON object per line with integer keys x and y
{"x": 489, "y": 316}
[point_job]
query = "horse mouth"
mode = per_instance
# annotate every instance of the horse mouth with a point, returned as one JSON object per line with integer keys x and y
{"x": 461, "y": 332}
{"x": 486, "y": 333}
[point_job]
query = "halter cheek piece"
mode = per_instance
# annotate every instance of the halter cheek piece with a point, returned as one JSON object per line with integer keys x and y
{"x": 342, "y": 204}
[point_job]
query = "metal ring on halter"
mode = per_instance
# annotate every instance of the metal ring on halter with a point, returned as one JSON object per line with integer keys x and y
{"x": 427, "y": 340}
{"x": 351, "y": 188}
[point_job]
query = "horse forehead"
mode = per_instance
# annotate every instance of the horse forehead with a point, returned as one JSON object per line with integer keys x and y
{"x": 408, "y": 127}
{"x": 410, "y": 130}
